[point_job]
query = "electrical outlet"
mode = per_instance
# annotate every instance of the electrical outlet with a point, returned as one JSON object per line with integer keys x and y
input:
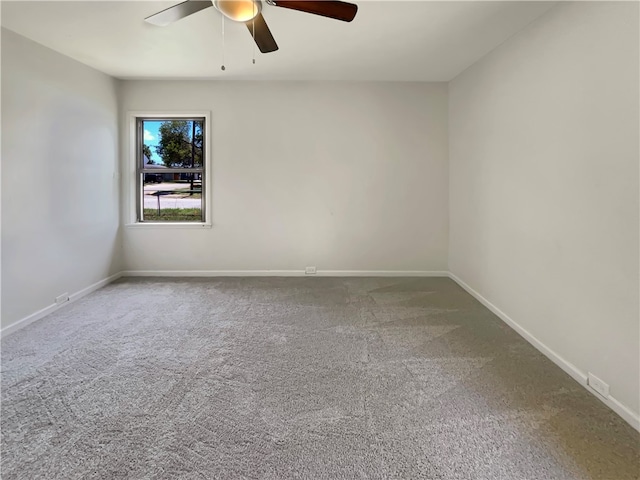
{"x": 310, "y": 271}
{"x": 598, "y": 385}
{"x": 62, "y": 299}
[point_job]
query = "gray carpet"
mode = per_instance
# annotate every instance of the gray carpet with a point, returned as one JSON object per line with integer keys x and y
{"x": 295, "y": 378}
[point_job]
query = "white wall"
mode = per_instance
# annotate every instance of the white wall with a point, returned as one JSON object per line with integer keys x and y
{"x": 544, "y": 156}
{"x": 341, "y": 176}
{"x": 60, "y": 217}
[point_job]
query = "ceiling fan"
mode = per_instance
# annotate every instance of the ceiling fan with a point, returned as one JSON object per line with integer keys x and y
{"x": 249, "y": 13}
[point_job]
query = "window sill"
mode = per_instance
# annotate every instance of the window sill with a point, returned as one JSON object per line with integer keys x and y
{"x": 146, "y": 225}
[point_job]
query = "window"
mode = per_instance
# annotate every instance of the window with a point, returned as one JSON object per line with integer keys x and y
{"x": 171, "y": 153}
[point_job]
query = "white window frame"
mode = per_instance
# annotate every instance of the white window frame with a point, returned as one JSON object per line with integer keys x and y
{"x": 130, "y": 181}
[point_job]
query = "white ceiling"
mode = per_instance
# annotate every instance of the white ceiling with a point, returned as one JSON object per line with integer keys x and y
{"x": 388, "y": 40}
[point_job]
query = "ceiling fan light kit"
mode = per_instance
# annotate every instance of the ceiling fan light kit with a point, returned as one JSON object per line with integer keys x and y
{"x": 249, "y": 12}
{"x": 239, "y": 10}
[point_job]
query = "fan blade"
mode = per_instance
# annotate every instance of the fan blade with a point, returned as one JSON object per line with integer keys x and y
{"x": 327, "y": 8}
{"x": 171, "y": 14}
{"x": 265, "y": 41}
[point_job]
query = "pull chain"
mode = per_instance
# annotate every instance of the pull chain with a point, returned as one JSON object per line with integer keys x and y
{"x": 253, "y": 24}
{"x": 223, "y": 67}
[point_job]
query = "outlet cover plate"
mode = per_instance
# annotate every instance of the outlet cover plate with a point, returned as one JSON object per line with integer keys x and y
{"x": 62, "y": 299}
{"x": 310, "y": 270}
{"x": 598, "y": 385}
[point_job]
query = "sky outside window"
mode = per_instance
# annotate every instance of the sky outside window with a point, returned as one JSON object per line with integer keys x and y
{"x": 151, "y": 138}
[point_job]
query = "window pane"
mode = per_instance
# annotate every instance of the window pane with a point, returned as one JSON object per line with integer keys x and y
{"x": 172, "y": 197}
{"x": 172, "y": 143}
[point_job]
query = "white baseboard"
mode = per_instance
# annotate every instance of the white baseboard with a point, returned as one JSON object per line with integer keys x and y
{"x": 381, "y": 273}
{"x": 53, "y": 307}
{"x": 631, "y": 417}
{"x": 213, "y": 273}
{"x": 283, "y": 273}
